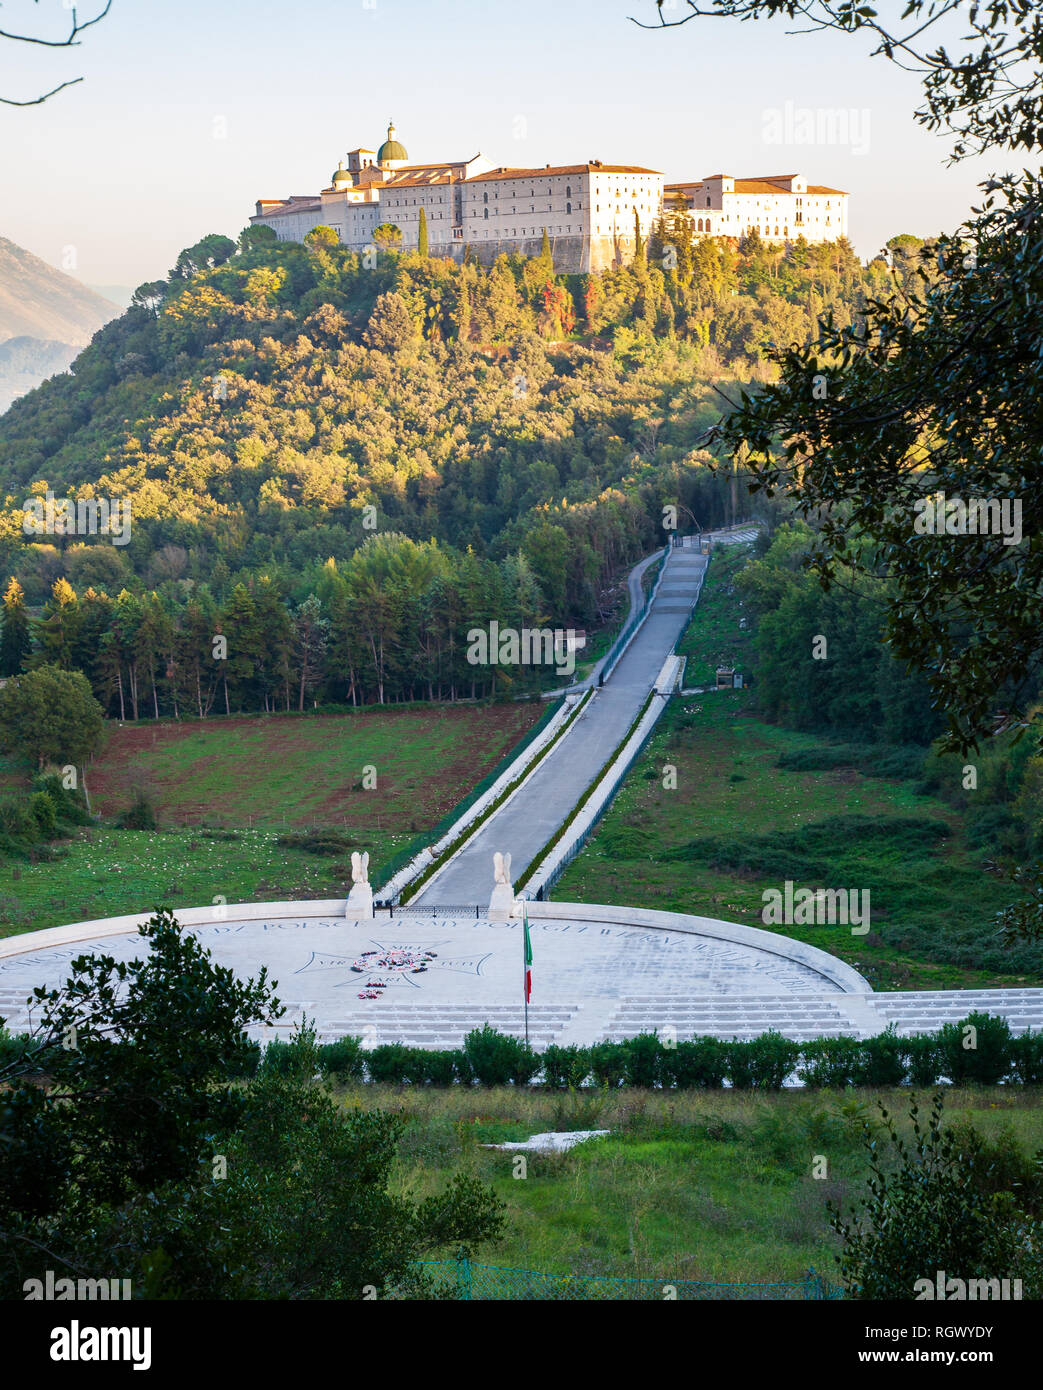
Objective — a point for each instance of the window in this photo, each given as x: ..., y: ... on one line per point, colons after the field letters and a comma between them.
x: 486, y: 214
x: 568, y: 207
x: 568, y: 190
x: 485, y: 197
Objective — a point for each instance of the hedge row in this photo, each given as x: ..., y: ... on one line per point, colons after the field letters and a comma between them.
x: 980, y: 1049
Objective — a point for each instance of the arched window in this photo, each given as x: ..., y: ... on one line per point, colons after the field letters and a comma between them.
x: 699, y: 225
x: 485, y: 196
x: 568, y: 190
x: 568, y: 207
x: 486, y: 214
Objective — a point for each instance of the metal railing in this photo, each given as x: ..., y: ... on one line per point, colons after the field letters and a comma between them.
x: 543, y: 895
x: 616, y: 649
x: 422, y: 910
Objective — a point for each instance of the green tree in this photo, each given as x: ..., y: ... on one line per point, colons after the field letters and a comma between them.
x: 421, y: 244
x: 58, y: 625
x: 390, y: 326
x: 52, y: 716
x: 110, y: 1163
x: 387, y: 236
x: 209, y: 251
x: 933, y: 1204
x: 15, y: 641
x: 150, y: 295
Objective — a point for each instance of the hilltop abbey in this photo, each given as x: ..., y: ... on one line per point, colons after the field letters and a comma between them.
x: 589, y: 211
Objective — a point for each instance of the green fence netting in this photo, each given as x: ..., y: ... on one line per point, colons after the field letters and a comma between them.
x: 462, y: 1279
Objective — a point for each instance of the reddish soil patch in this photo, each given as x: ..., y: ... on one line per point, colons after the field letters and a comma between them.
x: 481, y: 737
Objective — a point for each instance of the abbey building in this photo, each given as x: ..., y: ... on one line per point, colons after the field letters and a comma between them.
x: 591, y: 212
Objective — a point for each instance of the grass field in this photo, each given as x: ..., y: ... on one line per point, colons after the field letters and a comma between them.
x: 225, y: 789
x: 686, y: 1186
x: 737, y: 824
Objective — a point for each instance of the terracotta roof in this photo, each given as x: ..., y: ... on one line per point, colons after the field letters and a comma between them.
x: 505, y: 173
x: 405, y: 179
x: 760, y: 186
x: 296, y: 203
x: 821, y: 188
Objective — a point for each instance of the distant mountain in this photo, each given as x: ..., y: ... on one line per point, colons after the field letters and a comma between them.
x: 46, y: 317
x: 37, y: 301
x: 25, y: 362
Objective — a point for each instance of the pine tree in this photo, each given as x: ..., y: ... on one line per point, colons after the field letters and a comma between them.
x: 57, y: 627
x: 15, y: 642
x: 421, y: 244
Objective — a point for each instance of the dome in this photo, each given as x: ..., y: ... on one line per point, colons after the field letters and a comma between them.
x: 391, y: 152
x: 341, y: 175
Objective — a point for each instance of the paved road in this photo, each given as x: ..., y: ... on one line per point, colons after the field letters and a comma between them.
x: 524, y: 825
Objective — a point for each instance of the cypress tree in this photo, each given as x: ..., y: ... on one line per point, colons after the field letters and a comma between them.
x: 421, y: 244
x: 545, y: 247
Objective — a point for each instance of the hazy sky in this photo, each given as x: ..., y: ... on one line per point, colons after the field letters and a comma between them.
x: 193, y: 110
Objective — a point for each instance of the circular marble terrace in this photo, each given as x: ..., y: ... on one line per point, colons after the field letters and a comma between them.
x: 428, y: 978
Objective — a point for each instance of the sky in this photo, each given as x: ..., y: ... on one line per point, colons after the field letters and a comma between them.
x: 190, y: 111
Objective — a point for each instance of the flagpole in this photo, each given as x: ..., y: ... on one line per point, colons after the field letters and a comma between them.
x: 525, y: 970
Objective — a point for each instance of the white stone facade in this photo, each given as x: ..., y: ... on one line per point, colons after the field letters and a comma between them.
x: 587, y: 210
x: 779, y: 207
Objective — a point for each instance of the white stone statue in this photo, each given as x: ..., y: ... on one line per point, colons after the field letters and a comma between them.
x: 502, y: 900
x: 360, y: 900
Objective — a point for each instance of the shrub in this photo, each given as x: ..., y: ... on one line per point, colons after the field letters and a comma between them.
x: 329, y: 842
x: 699, y: 1063
x: 390, y: 1064
x: 499, y: 1059
x: 831, y: 1062
x: 641, y: 1059
x: 342, y: 1061
x: 608, y: 1063
x: 565, y: 1067
x: 12, y: 1046
x: 245, y: 1061
x: 298, y: 1058
x: 1026, y: 1056
x: 761, y: 1063
x: 884, y: 1060
x: 438, y: 1067
x: 463, y: 1072
x: 69, y: 802
x: 931, y: 1204
x: 44, y: 813
x: 141, y: 814
x: 977, y: 1049
x: 922, y: 1049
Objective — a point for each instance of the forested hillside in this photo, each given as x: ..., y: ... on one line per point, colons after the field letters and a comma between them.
x: 342, y: 463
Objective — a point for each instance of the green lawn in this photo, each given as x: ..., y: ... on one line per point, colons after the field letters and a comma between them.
x: 687, y: 1186
x: 226, y: 789
x: 725, y: 834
